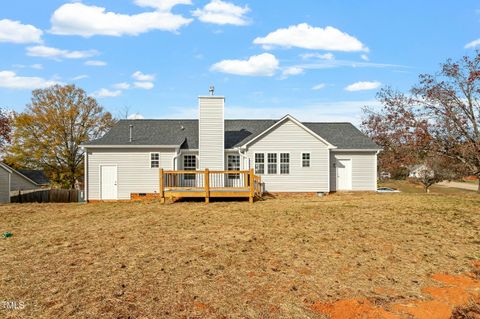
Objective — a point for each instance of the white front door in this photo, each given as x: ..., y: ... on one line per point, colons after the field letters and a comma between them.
x: 344, y: 174
x: 108, y: 182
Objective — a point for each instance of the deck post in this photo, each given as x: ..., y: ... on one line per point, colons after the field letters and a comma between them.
x: 162, y: 187
x: 207, y: 185
x: 252, y: 189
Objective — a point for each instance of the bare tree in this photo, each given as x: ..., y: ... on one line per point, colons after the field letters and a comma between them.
x: 444, y: 108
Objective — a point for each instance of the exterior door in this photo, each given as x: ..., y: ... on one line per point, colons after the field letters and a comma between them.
x: 344, y: 174
x: 108, y: 182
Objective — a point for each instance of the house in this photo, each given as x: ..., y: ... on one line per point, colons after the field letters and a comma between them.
x: 12, y: 181
x: 289, y: 155
x: 5, y: 178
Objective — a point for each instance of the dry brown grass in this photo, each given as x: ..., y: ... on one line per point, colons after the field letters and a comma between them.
x: 272, y: 259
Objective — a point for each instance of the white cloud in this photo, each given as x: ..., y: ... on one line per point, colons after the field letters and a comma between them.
x: 136, y: 116
x: 325, y: 56
x: 264, y: 64
x: 293, y: 70
x: 16, y: 32
x: 144, y: 85
x: 221, y: 12
x: 121, y: 86
x: 472, y: 44
x: 318, y: 86
x: 161, y: 5
x: 36, y: 66
x: 363, y: 86
x: 364, y: 57
x: 307, y: 37
x: 328, y: 64
x: 95, y: 63
x: 106, y: 93
x: 140, y: 76
x: 11, y: 80
x: 80, y: 77
x: 84, y: 20
x: 54, y: 53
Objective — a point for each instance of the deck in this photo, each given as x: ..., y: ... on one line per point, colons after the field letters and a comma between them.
x: 209, y: 184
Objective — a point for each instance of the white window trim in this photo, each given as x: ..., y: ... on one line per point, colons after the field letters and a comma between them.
x: 280, y: 163
x: 196, y: 160
x: 150, y: 159
x: 309, y: 160
x: 255, y: 162
x: 277, y: 162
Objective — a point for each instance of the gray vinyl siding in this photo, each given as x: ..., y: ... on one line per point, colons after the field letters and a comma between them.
x: 19, y: 182
x: 134, y: 174
x: 364, y: 169
x: 211, y: 133
x: 293, y: 139
x: 4, y: 186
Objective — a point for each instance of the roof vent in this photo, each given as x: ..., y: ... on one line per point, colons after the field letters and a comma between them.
x: 130, y: 139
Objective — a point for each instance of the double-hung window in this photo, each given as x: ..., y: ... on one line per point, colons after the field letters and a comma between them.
x: 259, y: 163
x: 272, y: 163
x: 305, y: 159
x: 154, y: 160
x: 189, y: 164
x: 284, y: 163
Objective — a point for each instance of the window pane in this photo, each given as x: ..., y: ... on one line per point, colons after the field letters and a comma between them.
x: 233, y: 164
x: 284, y: 163
x: 305, y: 159
x: 259, y: 163
x: 189, y: 164
x: 272, y: 163
x: 259, y: 168
x: 154, y: 160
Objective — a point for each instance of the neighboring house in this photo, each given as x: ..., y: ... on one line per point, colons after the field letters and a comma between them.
x: 5, y: 178
x: 289, y: 155
x: 12, y: 181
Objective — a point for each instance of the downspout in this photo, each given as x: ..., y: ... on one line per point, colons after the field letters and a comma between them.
x: 179, y: 152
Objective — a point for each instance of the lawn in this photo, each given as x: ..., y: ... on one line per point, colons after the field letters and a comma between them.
x: 273, y: 259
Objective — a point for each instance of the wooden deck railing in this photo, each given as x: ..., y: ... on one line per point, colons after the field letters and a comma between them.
x: 208, y: 184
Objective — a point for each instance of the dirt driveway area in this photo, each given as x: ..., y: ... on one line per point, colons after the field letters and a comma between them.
x: 467, y: 186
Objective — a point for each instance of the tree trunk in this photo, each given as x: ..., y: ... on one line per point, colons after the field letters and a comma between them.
x: 426, y: 188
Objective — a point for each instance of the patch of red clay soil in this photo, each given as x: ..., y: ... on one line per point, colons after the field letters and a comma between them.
x: 352, y: 309
x: 455, y: 290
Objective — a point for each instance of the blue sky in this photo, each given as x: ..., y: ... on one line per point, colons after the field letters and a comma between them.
x: 317, y: 60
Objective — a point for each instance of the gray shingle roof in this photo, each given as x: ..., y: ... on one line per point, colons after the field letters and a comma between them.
x: 237, y: 133
x: 38, y: 176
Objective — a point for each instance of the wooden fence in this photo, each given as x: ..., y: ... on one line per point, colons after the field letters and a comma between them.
x: 47, y: 196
